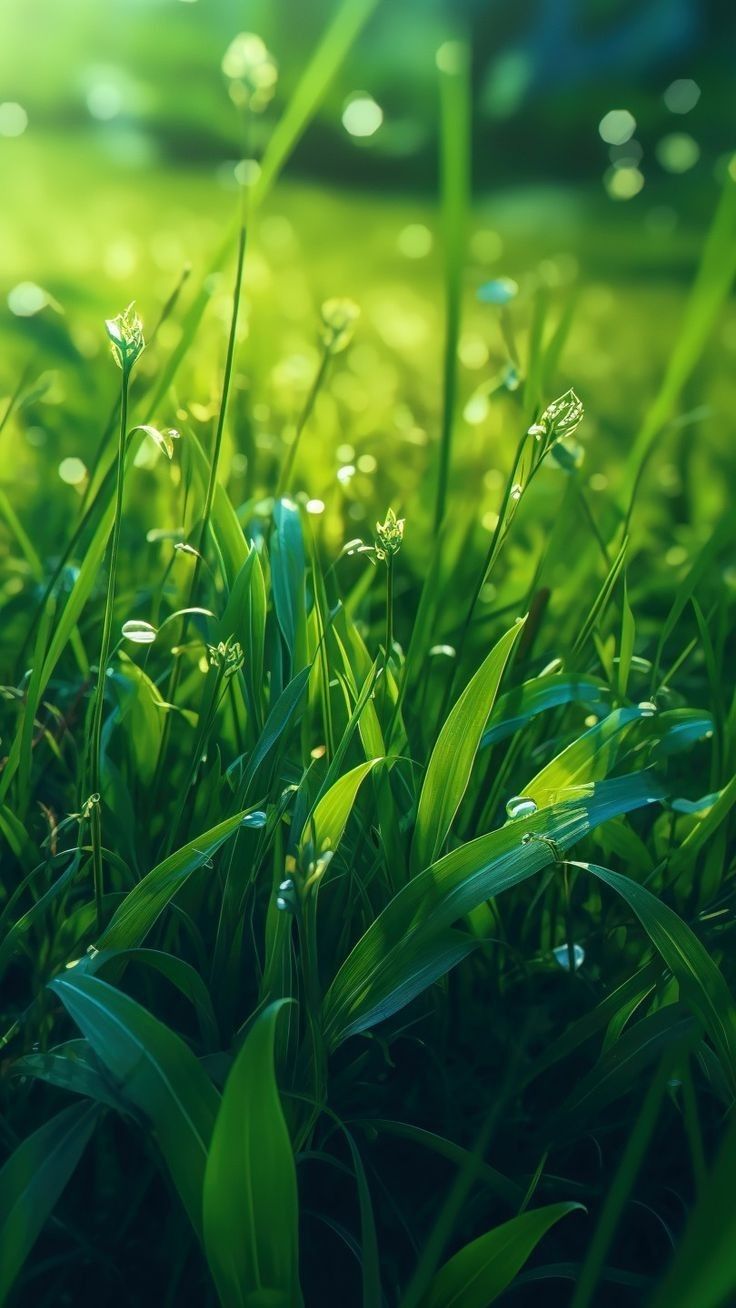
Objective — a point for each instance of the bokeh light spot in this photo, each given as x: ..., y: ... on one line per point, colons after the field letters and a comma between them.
x: 415, y: 241
x: 361, y: 115
x: 72, y: 471
x: 27, y: 298
x: 13, y: 119
x: 678, y: 152
x: 617, y: 126
x: 682, y: 95
x: 623, y: 183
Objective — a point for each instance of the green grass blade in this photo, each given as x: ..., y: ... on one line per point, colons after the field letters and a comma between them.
x: 146, y: 901
x: 250, y: 1206
x: 393, y: 961
x: 451, y: 763
x: 155, y: 1071
x: 701, y: 981
x: 481, y: 1271
x: 31, y: 1181
x: 346, y: 25
x: 453, y: 63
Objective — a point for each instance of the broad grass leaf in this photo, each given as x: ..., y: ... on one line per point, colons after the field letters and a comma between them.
x: 224, y: 524
x: 329, y: 817
x: 590, y: 757
x: 155, y: 1071
x: 277, y: 724
x: 250, y: 1202
x: 451, y: 763
x: 177, y: 972
x: 146, y: 901
x: 73, y: 1066
x: 520, y: 705
x: 394, y: 961
x: 703, y: 1272
x: 288, y: 570
x: 32, y: 1180
x: 481, y: 1271
x: 700, y: 980
x: 617, y: 1072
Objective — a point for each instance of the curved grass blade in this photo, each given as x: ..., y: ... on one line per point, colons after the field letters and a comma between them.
x: 31, y: 1181
x: 687, y: 958
x: 146, y: 901
x: 329, y: 817
x: 451, y: 763
x: 409, y: 944
x: 250, y: 1202
x: 155, y: 1071
x: 517, y: 707
x: 481, y: 1271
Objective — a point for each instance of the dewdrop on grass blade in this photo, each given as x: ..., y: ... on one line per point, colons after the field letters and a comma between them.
x: 520, y: 806
x: 141, y: 633
x: 255, y: 820
x: 561, y: 955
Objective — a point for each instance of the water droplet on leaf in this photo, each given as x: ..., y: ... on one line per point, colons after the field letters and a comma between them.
x: 562, y: 956
x: 647, y: 708
x: 520, y: 806
x: 253, y: 820
x: 141, y: 633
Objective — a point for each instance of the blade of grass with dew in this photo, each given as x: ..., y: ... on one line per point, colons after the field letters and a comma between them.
x: 141, y: 907
x: 393, y: 962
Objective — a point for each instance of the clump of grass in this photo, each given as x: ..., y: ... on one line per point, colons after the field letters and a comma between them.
x: 405, y: 951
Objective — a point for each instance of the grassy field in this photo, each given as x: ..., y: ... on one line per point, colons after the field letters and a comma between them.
x: 368, y: 737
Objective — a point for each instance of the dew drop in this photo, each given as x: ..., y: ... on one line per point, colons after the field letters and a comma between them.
x: 141, y: 633
x: 516, y: 492
x: 647, y: 708
x: 520, y: 806
x: 562, y: 956
x: 253, y: 820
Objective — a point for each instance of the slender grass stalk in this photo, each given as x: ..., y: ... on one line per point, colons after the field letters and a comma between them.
x: 209, y: 498
x: 288, y: 465
x: 389, y: 606
x: 628, y: 1169
x: 99, y: 702
x: 453, y: 63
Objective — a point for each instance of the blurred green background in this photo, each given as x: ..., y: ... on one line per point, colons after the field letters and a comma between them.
x: 601, y: 131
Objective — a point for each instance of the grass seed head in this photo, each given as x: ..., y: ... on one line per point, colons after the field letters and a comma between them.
x: 126, y: 338
x: 390, y: 536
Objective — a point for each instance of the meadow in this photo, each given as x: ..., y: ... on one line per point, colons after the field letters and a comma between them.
x: 367, y: 728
